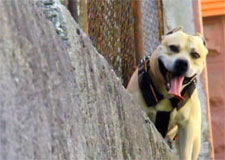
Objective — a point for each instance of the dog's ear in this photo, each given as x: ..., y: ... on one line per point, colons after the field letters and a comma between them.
x: 180, y: 28
x: 203, y: 39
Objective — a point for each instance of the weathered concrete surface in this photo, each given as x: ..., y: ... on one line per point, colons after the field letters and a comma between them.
x: 181, y: 13
x: 177, y: 12
x: 151, y: 27
x: 60, y: 99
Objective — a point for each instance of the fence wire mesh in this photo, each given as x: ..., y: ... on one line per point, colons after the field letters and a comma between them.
x: 111, y: 28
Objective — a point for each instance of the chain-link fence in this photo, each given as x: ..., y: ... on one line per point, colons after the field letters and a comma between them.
x: 110, y: 25
x: 111, y: 28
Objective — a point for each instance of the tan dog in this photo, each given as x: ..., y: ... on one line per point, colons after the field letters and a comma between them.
x: 172, y: 66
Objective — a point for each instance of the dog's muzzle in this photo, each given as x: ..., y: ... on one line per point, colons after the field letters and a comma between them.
x: 175, y: 76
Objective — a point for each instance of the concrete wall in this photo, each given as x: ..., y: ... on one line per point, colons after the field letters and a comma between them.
x: 177, y: 12
x: 181, y: 13
x: 151, y: 28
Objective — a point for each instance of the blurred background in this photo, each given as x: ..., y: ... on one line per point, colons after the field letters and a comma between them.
x: 123, y: 31
x: 213, y: 15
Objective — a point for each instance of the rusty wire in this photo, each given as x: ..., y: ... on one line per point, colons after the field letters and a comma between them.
x: 111, y: 28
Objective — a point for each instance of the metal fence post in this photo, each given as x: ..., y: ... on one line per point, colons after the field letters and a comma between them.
x: 138, y: 30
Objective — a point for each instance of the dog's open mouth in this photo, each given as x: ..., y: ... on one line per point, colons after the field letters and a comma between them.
x: 173, y: 81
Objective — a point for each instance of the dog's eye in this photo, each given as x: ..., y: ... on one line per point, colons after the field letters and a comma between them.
x: 195, y: 55
x: 174, y: 48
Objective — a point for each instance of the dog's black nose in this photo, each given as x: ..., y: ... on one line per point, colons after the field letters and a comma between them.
x: 181, y: 66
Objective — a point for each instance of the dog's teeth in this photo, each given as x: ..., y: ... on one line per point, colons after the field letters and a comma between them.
x: 168, y: 85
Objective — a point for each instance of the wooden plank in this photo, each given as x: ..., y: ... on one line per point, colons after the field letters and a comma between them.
x: 213, y: 7
x: 211, y: 1
x: 213, y: 13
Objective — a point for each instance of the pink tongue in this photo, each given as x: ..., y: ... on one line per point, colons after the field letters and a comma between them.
x: 175, y: 88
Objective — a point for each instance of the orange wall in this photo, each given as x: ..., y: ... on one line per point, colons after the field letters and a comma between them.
x: 214, y: 32
x: 213, y: 13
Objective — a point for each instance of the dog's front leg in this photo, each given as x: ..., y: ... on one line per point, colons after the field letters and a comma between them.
x: 185, y: 141
x: 196, y: 147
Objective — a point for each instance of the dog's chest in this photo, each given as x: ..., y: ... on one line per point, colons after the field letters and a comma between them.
x: 163, y: 105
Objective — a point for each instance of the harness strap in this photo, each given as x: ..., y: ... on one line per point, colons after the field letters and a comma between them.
x: 149, y: 91
x: 162, y: 122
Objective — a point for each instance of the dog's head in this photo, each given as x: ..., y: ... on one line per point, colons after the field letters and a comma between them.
x: 178, y: 59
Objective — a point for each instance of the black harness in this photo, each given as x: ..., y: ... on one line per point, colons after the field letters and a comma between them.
x: 152, y: 96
